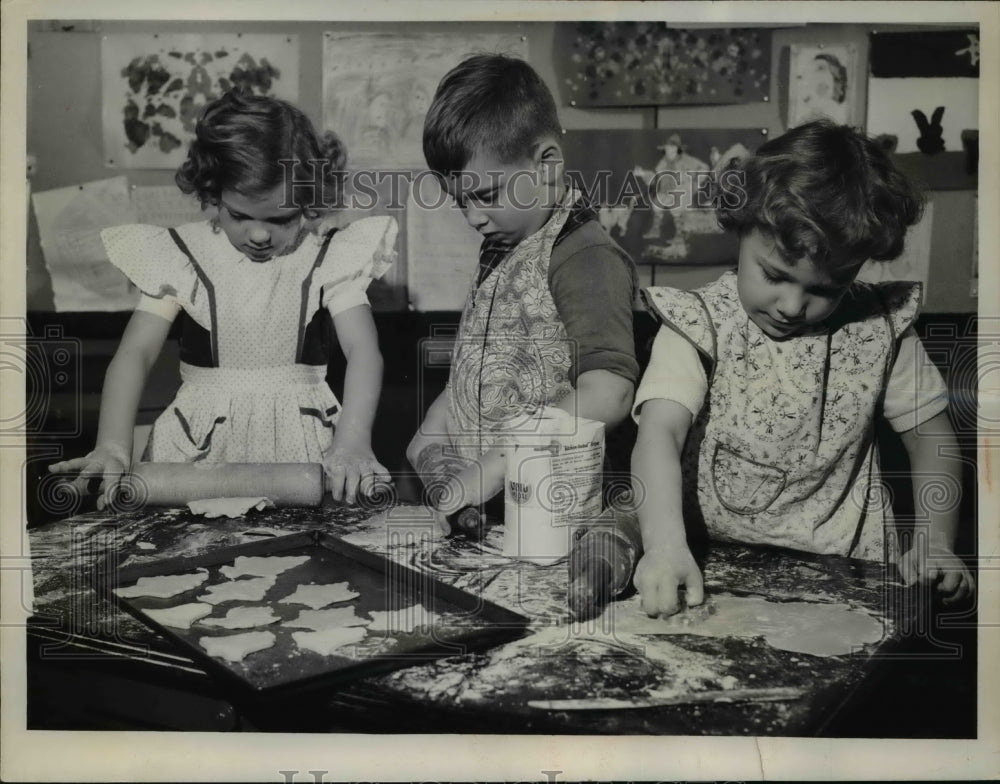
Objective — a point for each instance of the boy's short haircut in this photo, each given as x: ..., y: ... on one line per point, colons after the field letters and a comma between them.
x: 821, y: 191
x: 491, y: 103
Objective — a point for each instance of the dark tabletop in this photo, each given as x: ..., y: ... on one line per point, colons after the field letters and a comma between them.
x: 490, y: 691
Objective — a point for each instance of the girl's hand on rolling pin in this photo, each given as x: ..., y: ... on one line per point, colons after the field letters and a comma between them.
x: 353, y: 467
x: 107, y: 461
x: 659, y: 574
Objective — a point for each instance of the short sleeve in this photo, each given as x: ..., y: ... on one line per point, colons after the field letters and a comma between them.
x: 675, y: 372
x: 165, y: 307
x: 357, y: 255
x: 593, y: 292
x: 152, y: 260
x: 916, y: 391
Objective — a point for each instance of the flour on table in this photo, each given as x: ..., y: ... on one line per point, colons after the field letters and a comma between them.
x: 163, y: 586
x: 402, y: 620
x: 800, y: 627
x: 252, y: 590
x: 228, y: 507
x: 181, y: 616
x: 316, y: 596
x: 334, y: 618
x: 327, y: 641
x: 262, y: 565
x: 236, y: 647
x: 244, y: 618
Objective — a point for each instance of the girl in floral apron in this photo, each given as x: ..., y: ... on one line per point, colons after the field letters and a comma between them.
x: 758, y: 408
x: 261, y: 295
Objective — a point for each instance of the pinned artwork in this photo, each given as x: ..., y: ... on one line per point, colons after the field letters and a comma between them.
x: 377, y: 88
x: 653, y: 188
x: 651, y: 64
x: 823, y: 84
x: 155, y: 85
x: 924, y: 89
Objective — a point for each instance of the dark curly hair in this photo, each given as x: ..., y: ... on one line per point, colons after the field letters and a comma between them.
x: 241, y: 143
x: 821, y: 191
x: 492, y: 103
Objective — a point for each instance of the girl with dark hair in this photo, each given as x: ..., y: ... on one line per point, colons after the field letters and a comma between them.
x: 263, y: 293
x: 761, y: 397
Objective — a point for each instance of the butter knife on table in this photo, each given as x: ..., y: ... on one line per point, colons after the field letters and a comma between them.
x: 689, y: 698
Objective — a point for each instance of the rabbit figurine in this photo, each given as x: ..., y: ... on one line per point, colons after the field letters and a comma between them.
x: 930, y: 140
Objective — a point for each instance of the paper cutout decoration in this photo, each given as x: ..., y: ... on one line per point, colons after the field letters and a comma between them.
x: 154, y: 86
x: 913, y: 75
x: 822, y: 83
x: 377, y: 88
x: 653, y: 188
x: 650, y: 64
x: 70, y: 220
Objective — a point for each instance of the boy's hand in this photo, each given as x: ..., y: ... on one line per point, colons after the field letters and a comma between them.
x: 938, y: 564
x: 660, y: 573
x: 475, y: 484
x: 352, y: 467
x: 106, y: 461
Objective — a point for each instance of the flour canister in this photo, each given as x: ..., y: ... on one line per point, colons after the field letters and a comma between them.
x: 552, y: 483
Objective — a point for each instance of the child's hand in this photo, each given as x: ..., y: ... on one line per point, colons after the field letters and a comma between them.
x: 660, y: 573
x: 108, y: 462
x: 938, y: 564
x: 475, y: 484
x: 353, y: 467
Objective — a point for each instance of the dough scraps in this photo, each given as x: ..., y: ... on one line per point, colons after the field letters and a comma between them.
x: 163, y: 586
x: 334, y: 618
x: 181, y: 616
x: 402, y: 620
x: 799, y: 627
x: 236, y: 647
x: 316, y: 596
x: 327, y: 641
x: 244, y: 618
x: 251, y: 590
x: 228, y: 507
x: 262, y: 565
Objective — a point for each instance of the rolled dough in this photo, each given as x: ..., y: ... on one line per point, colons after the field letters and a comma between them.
x: 801, y: 627
x: 327, y: 641
x: 181, y: 616
x: 262, y: 565
x: 228, y: 507
x: 244, y: 618
x: 251, y: 590
x: 236, y: 647
x: 316, y: 596
x: 163, y: 586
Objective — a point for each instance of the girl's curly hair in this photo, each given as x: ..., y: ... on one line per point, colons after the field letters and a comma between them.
x: 821, y: 191
x: 254, y: 143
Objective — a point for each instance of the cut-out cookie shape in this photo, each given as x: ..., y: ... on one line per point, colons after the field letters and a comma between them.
x: 402, y: 620
x: 316, y: 596
x: 236, y: 647
x: 328, y: 641
x: 319, y: 620
x: 181, y: 616
x: 262, y: 565
x: 240, y: 590
x: 163, y: 586
x: 244, y: 618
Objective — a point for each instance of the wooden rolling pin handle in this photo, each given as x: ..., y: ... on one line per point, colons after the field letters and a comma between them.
x: 175, y: 484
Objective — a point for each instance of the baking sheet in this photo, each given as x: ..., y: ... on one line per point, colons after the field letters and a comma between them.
x: 462, y: 621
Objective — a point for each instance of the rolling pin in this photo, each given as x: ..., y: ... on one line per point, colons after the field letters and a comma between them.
x: 175, y: 484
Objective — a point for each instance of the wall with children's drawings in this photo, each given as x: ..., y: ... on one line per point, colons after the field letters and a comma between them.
x: 65, y: 128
